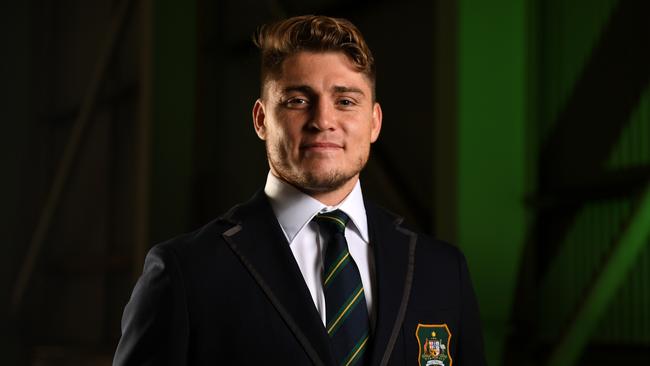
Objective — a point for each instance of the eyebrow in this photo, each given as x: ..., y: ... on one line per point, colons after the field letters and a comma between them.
x: 298, y: 88
x: 308, y: 90
x: 347, y: 89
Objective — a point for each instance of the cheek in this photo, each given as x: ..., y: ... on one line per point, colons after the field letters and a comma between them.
x: 287, y: 126
x: 359, y: 143
x: 360, y: 138
x: 283, y: 138
x: 361, y: 133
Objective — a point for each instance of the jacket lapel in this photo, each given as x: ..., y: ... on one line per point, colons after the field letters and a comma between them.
x: 394, y: 251
x: 258, y: 240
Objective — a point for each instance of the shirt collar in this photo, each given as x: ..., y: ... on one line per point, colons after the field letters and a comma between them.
x: 295, y: 209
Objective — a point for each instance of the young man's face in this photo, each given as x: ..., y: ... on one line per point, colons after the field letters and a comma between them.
x: 318, y: 119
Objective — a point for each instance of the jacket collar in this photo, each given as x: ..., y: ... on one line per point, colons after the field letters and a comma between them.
x: 394, y: 251
x: 256, y: 237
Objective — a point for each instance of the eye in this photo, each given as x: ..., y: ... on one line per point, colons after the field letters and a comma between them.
x: 346, y: 102
x: 296, y: 102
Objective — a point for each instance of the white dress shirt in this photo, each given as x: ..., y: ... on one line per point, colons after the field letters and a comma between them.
x: 295, y: 211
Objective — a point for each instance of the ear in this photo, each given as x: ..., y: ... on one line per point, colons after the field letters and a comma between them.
x: 259, y: 119
x: 376, y: 122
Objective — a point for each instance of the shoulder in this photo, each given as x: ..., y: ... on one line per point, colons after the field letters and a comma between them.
x: 385, y: 219
x: 200, y: 237
x: 442, y: 250
x: 427, y: 247
x: 206, y: 244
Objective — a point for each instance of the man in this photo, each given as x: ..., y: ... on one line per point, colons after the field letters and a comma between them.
x: 307, y: 272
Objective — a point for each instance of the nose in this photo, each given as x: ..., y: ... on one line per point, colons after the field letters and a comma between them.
x: 323, y: 116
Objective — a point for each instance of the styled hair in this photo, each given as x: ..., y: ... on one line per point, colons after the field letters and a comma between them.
x: 315, y: 33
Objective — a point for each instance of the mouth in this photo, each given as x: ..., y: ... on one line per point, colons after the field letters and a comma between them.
x: 321, y: 146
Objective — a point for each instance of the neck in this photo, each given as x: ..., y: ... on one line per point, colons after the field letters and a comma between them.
x: 328, y: 198
x: 335, y: 197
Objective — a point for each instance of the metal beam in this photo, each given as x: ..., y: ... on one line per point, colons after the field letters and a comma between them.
x: 619, y: 61
x: 142, y: 155
x: 604, y: 287
x: 491, y: 154
x: 173, y: 113
x: 69, y: 154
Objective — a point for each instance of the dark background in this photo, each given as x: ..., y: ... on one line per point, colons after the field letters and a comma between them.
x: 517, y: 130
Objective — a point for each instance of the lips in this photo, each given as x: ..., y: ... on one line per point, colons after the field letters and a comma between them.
x: 321, y: 145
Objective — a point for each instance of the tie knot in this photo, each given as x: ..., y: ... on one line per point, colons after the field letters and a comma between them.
x: 334, y: 221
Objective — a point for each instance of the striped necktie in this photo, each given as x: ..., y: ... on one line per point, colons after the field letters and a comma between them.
x: 345, y: 302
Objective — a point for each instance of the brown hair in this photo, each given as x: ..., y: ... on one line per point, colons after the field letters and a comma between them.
x: 284, y: 38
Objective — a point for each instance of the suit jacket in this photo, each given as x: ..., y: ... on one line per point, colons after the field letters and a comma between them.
x: 231, y: 293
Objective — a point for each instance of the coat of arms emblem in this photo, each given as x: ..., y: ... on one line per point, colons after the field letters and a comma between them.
x: 433, y: 341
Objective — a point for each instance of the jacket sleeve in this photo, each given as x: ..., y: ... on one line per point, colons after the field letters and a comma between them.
x: 470, y: 347
x: 154, y: 323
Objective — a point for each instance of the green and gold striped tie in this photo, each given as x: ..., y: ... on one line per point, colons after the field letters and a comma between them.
x: 346, y: 310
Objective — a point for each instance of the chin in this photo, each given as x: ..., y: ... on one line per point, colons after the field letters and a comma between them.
x: 327, y: 181
x: 316, y: 176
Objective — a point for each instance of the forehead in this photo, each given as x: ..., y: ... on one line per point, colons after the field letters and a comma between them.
x: 319, y: 71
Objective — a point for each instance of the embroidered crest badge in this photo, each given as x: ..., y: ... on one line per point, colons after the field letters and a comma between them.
x: 433, y: 341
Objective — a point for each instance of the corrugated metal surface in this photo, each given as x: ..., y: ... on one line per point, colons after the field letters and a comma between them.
x: 633, y: 147
x: 584, y: 249
x: 628, y: 317
x: 569, y: 31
